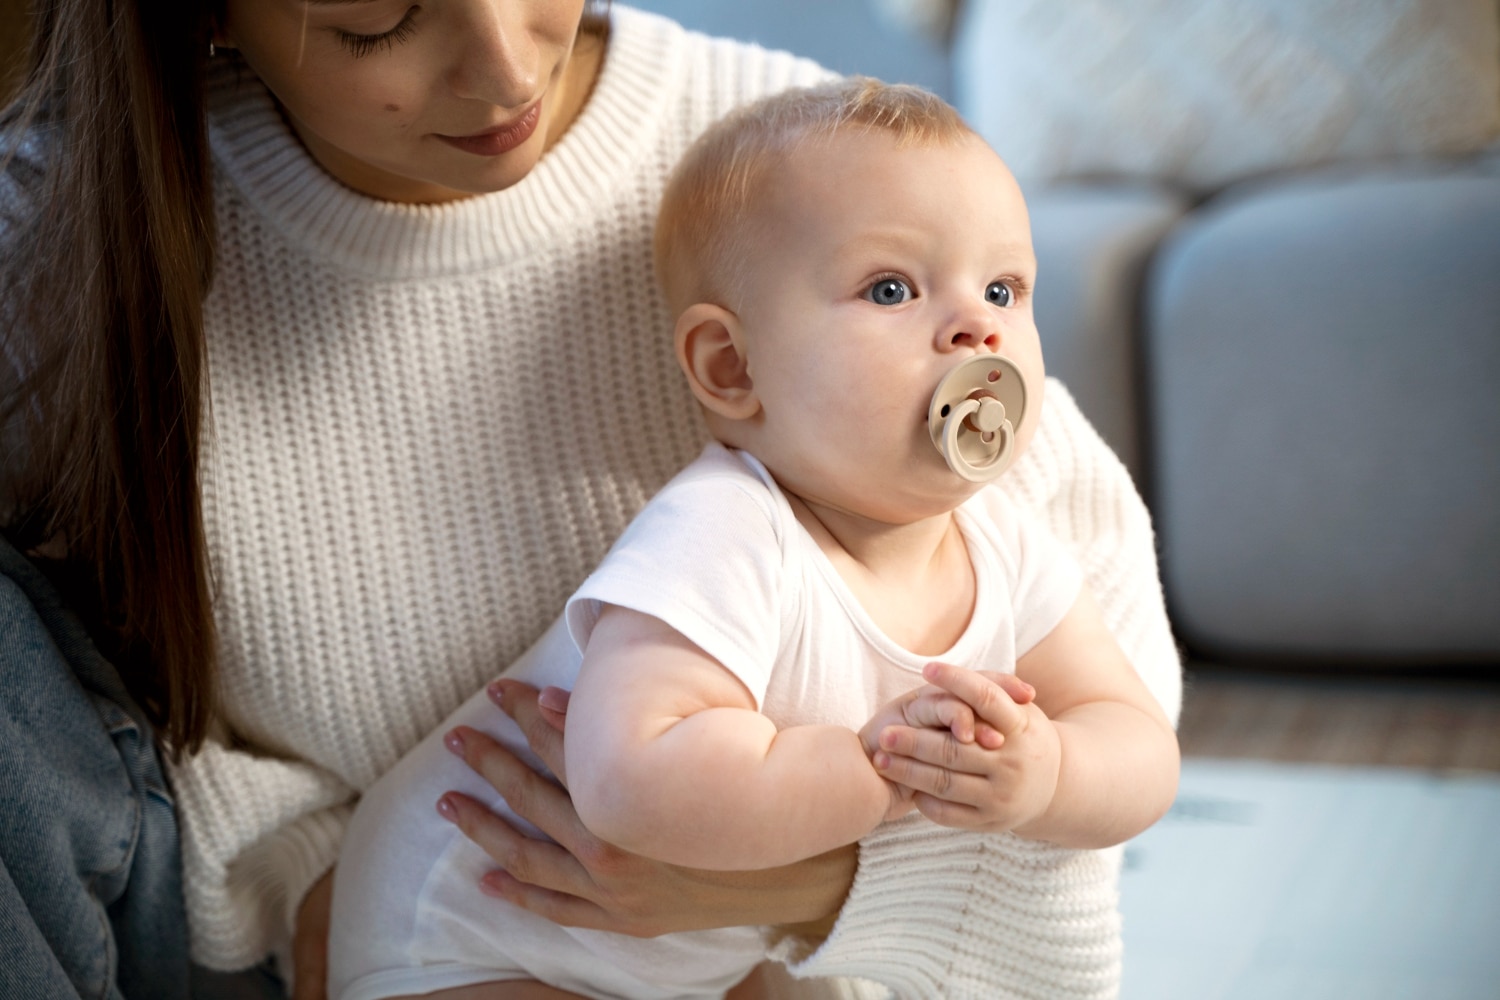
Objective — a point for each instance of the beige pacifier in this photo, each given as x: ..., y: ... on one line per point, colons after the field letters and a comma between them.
x: 974, y: 414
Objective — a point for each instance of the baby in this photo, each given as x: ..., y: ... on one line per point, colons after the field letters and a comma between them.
x: 758, y: 681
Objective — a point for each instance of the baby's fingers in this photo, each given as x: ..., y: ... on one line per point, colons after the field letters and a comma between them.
x: 931, y: 779
x: 935, y: 747
x: 990, y: 700
x: 1020, y: 692
x: 934, y: 709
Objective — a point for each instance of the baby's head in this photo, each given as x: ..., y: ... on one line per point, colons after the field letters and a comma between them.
x: 714, y: 202
x: 831, y: 253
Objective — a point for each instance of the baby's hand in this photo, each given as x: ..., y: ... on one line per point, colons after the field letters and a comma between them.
x: 970, y: 784
x: 947, y: 717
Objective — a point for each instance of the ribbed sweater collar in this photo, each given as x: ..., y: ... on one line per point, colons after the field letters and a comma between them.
x: 256, y: 151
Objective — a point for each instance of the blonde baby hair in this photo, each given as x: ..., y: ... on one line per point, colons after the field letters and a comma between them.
x: 708, y: 210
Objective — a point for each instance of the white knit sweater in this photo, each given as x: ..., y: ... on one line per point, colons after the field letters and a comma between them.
x: 430, y: 422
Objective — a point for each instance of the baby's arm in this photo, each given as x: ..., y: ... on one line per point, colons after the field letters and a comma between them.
x: 1092, y: 762
x: 667, y: 757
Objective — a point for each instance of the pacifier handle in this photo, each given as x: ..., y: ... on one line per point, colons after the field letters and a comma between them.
x: 974, y: 414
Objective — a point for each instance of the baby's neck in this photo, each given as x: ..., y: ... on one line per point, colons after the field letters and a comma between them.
x: 915, y: 580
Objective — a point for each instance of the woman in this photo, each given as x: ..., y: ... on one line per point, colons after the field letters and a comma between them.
x: 336, y: 404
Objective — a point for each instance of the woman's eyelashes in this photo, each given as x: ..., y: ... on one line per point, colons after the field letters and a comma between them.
x: 362, y: 45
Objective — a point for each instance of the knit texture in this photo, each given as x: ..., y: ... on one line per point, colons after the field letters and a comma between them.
x: 428, y: 423
x: 1202, y: 93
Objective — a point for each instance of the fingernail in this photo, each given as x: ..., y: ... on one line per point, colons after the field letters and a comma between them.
x: 496, y: 691
x: 445, y: 809
x: 888, y: 739
x: 882, y: 761
x: 454, y: 742
x: 490, y: 885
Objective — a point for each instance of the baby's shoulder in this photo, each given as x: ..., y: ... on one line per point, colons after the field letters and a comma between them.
x: 722, y: 471
x: 722, y: 489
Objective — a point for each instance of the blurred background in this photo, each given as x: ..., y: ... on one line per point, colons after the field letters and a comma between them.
x: 1269, y: 270
x: 1269, y: 242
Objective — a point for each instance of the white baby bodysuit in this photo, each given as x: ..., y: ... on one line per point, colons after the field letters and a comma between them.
x: 719, y: 556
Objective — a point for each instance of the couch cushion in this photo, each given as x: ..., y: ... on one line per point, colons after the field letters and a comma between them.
x: 1204, y: 92
x: 1092, y: 244
x: 1324, y: 385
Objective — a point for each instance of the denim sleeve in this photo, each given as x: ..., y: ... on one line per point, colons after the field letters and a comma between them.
x: 20, y: 178
x: 90, y: 874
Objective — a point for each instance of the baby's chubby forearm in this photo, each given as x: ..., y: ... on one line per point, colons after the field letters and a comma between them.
x: 1089, y: 763
x: 722, y: 789
x: 667, y: 757
x: 1117, y: 776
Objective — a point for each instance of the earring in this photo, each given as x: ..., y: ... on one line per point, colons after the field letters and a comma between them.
x: 211, y: 49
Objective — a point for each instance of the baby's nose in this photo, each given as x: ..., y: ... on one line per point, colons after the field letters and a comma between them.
x: 977, y: 336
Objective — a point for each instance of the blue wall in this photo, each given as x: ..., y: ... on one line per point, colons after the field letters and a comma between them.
x: 845, y: 35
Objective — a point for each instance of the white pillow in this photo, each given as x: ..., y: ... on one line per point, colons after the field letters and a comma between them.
x: 1203, y: 92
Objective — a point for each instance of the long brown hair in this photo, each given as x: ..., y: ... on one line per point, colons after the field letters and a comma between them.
x: 102, y: 294
x: 101, y: 305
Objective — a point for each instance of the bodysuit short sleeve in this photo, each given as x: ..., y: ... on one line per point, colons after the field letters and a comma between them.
x: 705, y: 556
x: 1042, y: 575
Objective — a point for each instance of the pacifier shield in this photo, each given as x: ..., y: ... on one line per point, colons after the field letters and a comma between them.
x: 974, y: 414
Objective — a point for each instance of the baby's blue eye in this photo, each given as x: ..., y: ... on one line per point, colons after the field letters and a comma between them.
x: 888, y: 292
x: 999, y: 294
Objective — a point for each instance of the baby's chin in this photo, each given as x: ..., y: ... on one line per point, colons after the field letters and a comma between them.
x: 920, y: 496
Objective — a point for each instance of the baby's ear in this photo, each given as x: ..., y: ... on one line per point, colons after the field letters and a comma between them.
x: 711, y: 351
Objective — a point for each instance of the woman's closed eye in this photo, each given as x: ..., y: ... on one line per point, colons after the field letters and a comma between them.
x: 888, y: 291
x: 362, y: 45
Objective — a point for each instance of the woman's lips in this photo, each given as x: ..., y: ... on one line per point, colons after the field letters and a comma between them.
x: 501, y: 139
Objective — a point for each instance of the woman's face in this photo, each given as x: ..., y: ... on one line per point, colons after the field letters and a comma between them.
x: 420, y: 102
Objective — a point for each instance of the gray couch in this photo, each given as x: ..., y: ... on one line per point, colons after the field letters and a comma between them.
x: 1303, y: 373
x: 1269, y: 248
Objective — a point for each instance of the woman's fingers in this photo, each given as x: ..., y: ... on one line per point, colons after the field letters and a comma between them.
x: 544, y: 878
x: 522, y: 702
x: 560, y: 908
x: 534, y: 798
x: 552, y: 702
x: 537, y: 862
x: 579, y: 880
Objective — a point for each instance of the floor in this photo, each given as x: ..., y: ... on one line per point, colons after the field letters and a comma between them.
x: 1448, y: 722
x: 1332, y: 837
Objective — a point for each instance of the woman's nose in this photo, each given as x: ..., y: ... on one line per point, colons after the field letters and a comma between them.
x: 500, y: 61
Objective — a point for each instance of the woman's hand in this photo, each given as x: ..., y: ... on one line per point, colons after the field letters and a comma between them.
x: 977, y: 785
x: 310, y: 942
x: 580, y: 881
